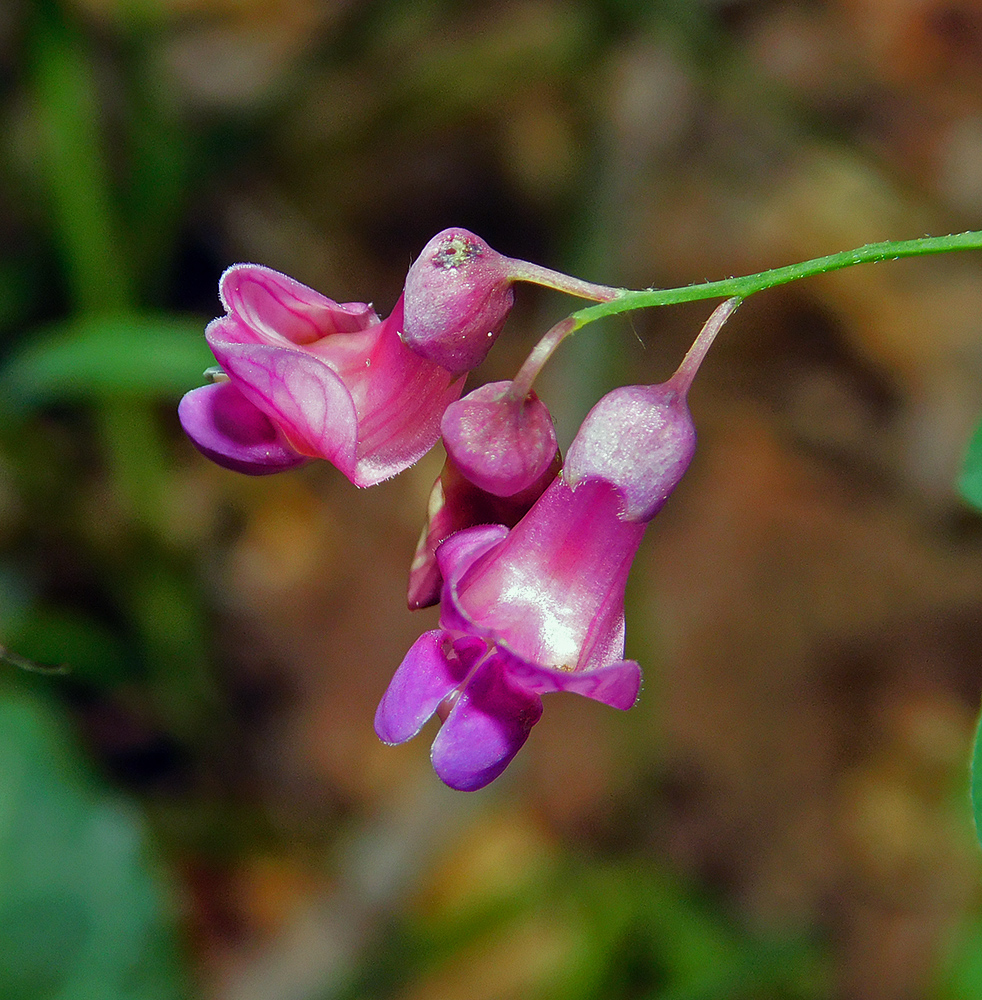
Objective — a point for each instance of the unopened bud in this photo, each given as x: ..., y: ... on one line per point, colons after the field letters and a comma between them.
x: 501, y: 443
x: 457, y: 297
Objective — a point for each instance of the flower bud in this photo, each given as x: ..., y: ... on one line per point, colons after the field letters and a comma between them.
x: 640, y: 438
x: 501, y: 443
x: 457, y: 297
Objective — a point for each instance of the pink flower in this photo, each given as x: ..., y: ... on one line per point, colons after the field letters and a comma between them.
x: 309, y: 377
x: 539, y: 608
x: 525, y: 611
x: 456, y: 503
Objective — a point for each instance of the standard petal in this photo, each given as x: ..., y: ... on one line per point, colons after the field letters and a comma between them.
x: 225, y: 427
x: 305, y: 399
x: 432, y: 668
x: 616, y: 684
x: 283, y: 311
x: 485, y: 729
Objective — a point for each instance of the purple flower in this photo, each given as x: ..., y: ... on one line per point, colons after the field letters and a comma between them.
x: 539, y: 607
x: 525, y: 611
x: 309, y: 377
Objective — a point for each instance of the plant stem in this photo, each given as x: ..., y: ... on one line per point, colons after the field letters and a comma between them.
x: 543, y: 350
x: 538, y: 275
x: 686, y: 372
x: 742, y: 287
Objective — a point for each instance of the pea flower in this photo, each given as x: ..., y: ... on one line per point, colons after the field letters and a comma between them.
x: 539, y: 607
x: 456, y: 503
x: 306, y: 377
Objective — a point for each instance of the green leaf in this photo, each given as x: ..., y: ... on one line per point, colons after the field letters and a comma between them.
x: 95, y: 358
x: 62, y: 73
x: 82, y: 912
x: 970, y: 480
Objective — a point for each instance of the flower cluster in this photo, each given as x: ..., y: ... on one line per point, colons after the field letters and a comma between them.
x: 527, y: 555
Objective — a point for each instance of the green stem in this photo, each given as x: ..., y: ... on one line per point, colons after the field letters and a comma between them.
x: 742, y: 287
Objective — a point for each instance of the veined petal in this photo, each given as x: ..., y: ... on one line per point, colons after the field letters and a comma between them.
x: 487, y: 726
x: 400, y: 398
x: 308, y: 402
x: 283, y: 311
x: 227, y: 428
x: 430, y: 671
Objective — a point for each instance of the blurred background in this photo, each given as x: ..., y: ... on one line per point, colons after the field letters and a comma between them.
x: 198, y: 806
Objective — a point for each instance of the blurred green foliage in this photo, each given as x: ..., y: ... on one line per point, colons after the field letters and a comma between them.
x: 623, y: 929
x: 84, y: 907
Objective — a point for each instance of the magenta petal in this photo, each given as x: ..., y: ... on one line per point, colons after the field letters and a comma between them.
x: 301, y: 394
x: 485, y: 729
x: 455, y: 557
x: 430, y: 671
x: 225, y: 427
x: 459, y: 552
x: 616, y: 684
x: 399, y: 396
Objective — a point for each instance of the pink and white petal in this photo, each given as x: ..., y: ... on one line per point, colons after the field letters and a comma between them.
x: 229, y: 330
x: 301, y: 395
x: 616, y: 684
x: 282, y: 310
x: 227, y: 428
x: 487, y: 726
x: 430, y: 671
